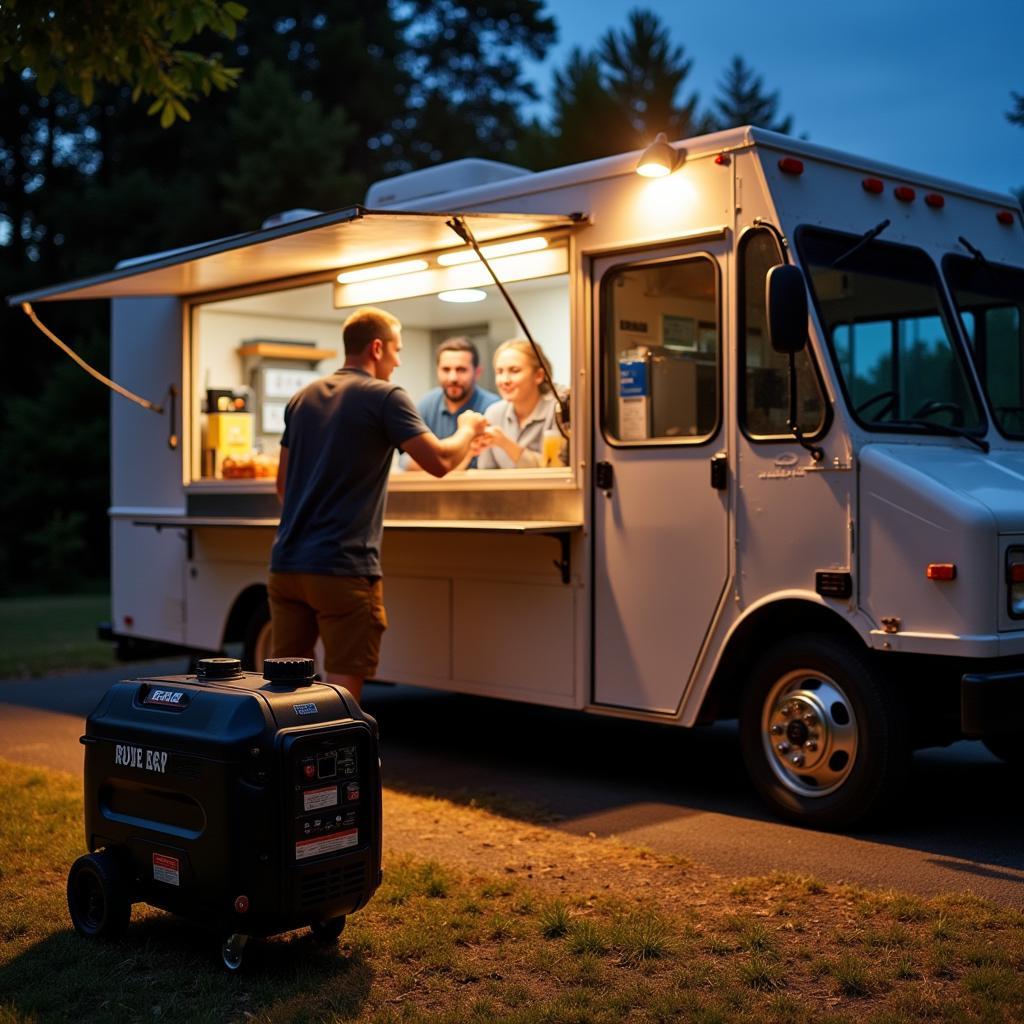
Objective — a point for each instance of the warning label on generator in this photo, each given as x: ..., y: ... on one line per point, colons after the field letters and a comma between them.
x: 314, y: 799
x: 320, y: 845
x: 165, y: 869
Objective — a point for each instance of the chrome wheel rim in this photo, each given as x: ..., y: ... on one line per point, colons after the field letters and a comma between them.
x: 809, y: 733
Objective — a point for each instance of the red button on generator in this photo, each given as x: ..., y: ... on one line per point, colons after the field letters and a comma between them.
x: 309, y: 769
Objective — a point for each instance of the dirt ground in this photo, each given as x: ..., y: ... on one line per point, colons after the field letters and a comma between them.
x: 479, y: 842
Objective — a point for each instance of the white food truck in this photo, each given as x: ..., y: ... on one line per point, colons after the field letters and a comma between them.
x: 793, y: 496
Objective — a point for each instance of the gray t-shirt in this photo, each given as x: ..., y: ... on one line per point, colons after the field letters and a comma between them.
x: 341, y: 432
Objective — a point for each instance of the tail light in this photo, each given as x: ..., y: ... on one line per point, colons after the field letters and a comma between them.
x: 1015, y: 582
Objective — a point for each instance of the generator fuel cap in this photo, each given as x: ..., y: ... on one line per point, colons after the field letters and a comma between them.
x: 209, y: 669
x: 289, y: 671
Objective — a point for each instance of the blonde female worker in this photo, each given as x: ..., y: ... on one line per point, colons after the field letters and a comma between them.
x: 525, y: 413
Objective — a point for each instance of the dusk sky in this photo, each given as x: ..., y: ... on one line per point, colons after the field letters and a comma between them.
x: 920, y: 83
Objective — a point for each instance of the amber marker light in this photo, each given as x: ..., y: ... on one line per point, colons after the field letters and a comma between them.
x: 941, y: 571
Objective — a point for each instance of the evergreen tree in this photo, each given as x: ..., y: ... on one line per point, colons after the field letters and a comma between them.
x: 644, y: 73
x: 468, y: 87
x: 742, y: 101
x: 587, y: 119
x: 1016, y: 116
x: 288, y: 152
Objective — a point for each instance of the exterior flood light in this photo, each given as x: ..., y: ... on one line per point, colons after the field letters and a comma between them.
x: 658, y: 159
x: 463, y: 295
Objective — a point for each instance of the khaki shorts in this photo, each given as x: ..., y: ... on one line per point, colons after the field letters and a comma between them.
x: 346, y: 611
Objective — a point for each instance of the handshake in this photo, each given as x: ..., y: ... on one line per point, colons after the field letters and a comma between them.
x: 484, y: 435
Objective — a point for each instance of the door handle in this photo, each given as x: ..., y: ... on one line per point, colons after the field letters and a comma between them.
x: 604, y: 478
x: 719, y: 471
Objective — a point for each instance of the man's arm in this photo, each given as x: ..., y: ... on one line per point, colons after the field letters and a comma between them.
x: 282, y: 472
x: 439, y: 457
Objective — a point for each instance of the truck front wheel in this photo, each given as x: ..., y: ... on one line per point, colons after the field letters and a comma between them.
x: 824, y: 737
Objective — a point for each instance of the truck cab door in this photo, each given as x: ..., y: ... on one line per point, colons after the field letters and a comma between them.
x: 659, y: 504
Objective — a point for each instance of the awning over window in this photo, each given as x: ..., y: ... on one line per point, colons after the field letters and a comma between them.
x: 327, y: 241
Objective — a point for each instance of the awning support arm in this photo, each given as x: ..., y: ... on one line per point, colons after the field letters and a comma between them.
x: 461, y: 228
x: 172, y: 392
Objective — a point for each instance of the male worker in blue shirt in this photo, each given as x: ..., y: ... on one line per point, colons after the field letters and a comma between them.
x: 458, y: 371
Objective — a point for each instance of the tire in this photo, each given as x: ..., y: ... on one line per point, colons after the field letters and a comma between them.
x: 98, y: 897
x: 327, y: 932
x: 822, y: 700
x: 232, y: 951
x: 257, y: 638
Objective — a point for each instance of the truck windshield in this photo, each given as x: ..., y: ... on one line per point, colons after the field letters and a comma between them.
x: 990, y: 300
x: 890, y: 335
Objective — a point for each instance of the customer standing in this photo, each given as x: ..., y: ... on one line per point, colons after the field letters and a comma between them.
x: 340, y: 435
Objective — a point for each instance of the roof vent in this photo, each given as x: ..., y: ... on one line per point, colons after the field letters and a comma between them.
x: 434, y: 181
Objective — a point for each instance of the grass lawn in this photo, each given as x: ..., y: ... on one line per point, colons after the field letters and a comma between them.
x: 46, y: 634
x: 441, y: 944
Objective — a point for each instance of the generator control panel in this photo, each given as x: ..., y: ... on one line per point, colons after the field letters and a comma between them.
x: 327, y: 811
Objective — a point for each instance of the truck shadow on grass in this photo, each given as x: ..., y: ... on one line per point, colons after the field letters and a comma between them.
x: 591, y: 773
x: 168, y: 969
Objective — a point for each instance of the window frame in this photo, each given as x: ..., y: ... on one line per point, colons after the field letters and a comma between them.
x: 950, y: 317
x: 741, y: 352
x: 507, y: 480
x: 979, y: 369
x: 602, y: 352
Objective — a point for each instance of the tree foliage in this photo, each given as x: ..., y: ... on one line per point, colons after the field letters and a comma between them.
x: 137, y: 43
x: 645, y: 73
x: 466, y: 79
x: 286, y: 151
x: 633, y: 85
x: 742, y: 100
x: 1016, y: 115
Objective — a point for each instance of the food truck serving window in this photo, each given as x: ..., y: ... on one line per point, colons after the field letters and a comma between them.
x: 252, y: 352
x: 660, y: 339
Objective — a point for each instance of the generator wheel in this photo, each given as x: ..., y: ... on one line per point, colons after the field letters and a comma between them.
x: 257, y: 638
x: 327, y: 932
x: 233, y: 951
x: 98, y: 896
x: 823, y: 734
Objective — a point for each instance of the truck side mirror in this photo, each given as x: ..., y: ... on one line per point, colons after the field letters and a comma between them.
x: 786, y: 304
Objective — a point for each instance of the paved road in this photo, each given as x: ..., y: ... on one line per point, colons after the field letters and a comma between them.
x: 674, y: 791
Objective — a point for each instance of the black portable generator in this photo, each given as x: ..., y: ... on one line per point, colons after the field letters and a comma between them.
x: 250, y: 802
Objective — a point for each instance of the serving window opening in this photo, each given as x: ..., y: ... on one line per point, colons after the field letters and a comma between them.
x: 251, y: 353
